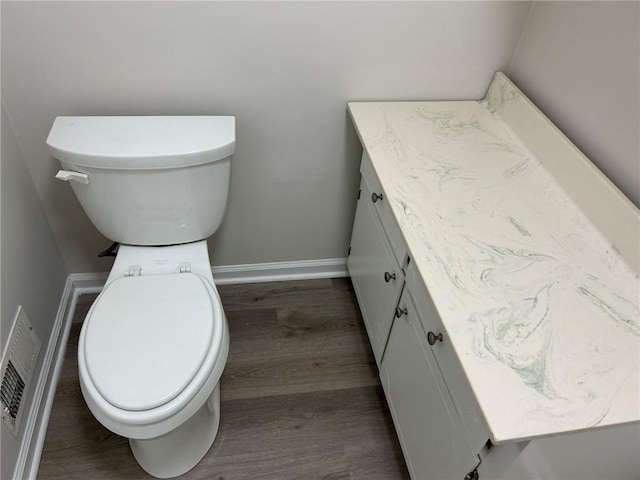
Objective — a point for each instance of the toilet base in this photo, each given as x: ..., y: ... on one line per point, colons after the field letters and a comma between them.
x: 178, y: 451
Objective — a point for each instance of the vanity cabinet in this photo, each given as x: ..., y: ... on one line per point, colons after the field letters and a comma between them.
x: 398, y: 321
x: 428, y: 427
x: 375, y: 271
x: 511, y: 262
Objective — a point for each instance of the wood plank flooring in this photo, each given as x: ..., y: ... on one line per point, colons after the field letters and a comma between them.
x: 300, y: 395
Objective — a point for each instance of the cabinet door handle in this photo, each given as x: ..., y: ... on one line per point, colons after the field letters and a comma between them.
x: 389, y: 276
x: 375, y: 197
x: 432, y: 338
x: 401, y: 311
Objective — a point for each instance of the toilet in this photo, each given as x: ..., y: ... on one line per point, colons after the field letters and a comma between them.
x: 155, y: 342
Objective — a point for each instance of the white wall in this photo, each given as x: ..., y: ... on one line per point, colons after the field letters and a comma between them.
x: 580, y: 64
x: 286, y: 70
x: 33, y: 273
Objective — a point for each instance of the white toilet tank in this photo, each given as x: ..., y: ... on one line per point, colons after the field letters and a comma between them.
x: 148, y: 180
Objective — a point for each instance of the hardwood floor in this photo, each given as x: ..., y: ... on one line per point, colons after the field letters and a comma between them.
x: 300, y: 395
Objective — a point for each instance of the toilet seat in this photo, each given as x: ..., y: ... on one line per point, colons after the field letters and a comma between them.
x: 147, y: 337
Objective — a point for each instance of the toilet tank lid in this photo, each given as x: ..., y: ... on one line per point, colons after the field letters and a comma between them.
x: 141, y: 143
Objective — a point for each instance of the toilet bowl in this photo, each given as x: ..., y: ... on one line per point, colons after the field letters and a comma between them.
x: 151, y: 352
x: 154, y: 343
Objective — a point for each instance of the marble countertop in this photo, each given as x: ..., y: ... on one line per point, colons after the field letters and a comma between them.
x: 539, y: 305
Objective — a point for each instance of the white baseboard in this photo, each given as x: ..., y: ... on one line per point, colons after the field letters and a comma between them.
x: 280, y: 271
x: 82, y: 283
x: 38, y: 417
x: 88, y: 282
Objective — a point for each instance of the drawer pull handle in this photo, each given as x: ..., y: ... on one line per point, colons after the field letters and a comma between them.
x: 432, y: 338
x: 375, y: 197
x: 389, y: 276
x: 400, y: 312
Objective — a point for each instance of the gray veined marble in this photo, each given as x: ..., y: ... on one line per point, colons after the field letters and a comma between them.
x: 537, y: 287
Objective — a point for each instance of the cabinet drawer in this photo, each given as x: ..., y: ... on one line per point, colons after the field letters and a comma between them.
x: 447, y: 360
x: 383, y: 209
x: 377, y: 279
x: 428, y: 427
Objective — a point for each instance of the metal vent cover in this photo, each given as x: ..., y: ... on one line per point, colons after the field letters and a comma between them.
x: 18, y: 363
x: 11, y: 392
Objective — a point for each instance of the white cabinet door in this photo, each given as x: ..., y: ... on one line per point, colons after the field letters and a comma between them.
x: 376, y: 277
x: 430, y: 433
x: 448, y: 363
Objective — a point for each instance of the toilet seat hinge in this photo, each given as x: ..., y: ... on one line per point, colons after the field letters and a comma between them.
x: 184, y: 267
x: 133, y: 271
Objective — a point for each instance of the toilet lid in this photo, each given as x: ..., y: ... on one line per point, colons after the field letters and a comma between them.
x: 147, y: 337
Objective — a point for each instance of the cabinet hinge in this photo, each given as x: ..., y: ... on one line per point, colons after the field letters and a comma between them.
x: 359, y: 192
x: 349, y: 251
